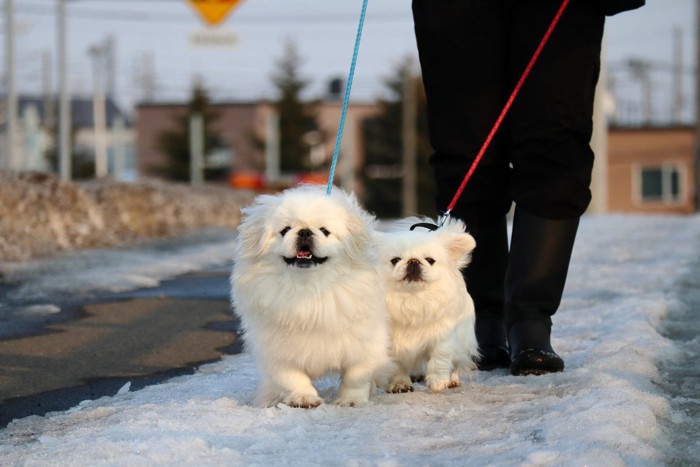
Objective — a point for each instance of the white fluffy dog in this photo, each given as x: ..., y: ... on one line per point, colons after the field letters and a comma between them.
x: 306, y: 287
x: 432, y: 315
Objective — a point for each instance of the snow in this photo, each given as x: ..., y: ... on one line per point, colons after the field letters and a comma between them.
x: 604, y: 409
x: 116, y: 270
x: 41, y: 215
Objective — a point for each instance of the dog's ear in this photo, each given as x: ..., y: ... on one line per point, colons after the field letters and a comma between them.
x: 360, y: 225
x: 255, y: 229
x: 458, y: 242
x: 360, y: 237
x: 459, y: 246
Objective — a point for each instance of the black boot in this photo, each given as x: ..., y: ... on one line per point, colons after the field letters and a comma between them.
x: 484, y: 277
x: 539, y: 261
x: 533, y: 353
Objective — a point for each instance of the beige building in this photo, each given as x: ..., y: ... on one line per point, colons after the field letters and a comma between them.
x: 651, y: 170
x: 648, y: 170
x: 243, y: 126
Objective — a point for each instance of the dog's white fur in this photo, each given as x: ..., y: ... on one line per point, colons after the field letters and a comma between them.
x: 303, y: 322
x: 432, y: 315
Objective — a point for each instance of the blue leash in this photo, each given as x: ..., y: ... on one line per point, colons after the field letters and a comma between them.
x: 346, y: 100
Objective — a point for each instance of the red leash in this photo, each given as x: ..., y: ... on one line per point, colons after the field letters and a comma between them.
x: 505, y: 110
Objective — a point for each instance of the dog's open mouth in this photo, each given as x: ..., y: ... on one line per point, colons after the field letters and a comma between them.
x: 304, y: 258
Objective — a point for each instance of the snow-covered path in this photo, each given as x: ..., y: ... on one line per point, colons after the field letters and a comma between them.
x: 605, y: 409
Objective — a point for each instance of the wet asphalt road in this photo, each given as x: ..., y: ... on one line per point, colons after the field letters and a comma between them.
x: 93, y: 348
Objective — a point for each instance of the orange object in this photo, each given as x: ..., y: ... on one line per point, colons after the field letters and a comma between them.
x: 213, y: 11
x: 246, y: 180
x: 313, y: 178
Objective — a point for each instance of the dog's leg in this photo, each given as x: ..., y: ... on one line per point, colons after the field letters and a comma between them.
x: 401, y: 381
x: 454, y: 380
x: 297, y: 387
x: 355, y: 385
x: 440, y: 373
x: 417, y: 371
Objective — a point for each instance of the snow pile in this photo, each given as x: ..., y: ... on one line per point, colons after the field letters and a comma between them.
x: 605, y: 409
x: 41, y: 215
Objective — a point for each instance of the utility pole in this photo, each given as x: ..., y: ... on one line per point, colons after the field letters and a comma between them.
x: 272, y: 146
x: 641, y: 70
x: 144, y: 78
x: 47, y: 90
x: 111, y: 65
x: 11, y: 161
x: 677, y: 110
x: 64, y: 119
x: 119, y: 130
x: 99, y: 110
x: 196, y: 149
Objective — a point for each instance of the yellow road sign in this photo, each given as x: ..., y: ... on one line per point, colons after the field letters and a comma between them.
x: 213, y: 11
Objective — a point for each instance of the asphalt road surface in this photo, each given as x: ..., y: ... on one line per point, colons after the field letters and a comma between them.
x: 143, y: 337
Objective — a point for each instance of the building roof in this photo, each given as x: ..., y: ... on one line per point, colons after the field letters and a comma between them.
x: 81, y: 110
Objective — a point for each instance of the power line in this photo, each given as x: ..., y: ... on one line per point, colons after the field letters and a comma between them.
x: 652, y: 64
x: 141, y: 16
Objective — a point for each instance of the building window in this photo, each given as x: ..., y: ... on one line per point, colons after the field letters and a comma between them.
x: 660, y: 184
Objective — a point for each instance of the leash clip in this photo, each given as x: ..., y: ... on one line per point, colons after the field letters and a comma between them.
x: 443, y: 218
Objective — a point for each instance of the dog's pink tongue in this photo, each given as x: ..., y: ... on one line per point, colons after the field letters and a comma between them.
x: 303, y: 254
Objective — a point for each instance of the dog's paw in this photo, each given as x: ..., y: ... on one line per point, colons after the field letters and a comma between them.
x: 350, y: 402
x: 303, y: 401
x: 399, y: 388
x: 438, y: 384
x: 400, y: 383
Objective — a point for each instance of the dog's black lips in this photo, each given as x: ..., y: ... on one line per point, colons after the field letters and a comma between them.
x: 304, y: 258
x: 413, y: 272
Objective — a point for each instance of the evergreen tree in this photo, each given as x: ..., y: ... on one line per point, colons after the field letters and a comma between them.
x: 383, y: 170
x: 82, y: 162
x: 176, y: 143
x: 296, y: 118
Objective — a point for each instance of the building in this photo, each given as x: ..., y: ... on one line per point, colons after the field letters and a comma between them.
x: 648, y: 170
x: 245, y: 127
x: 36, y: 134
x: 651, y: 170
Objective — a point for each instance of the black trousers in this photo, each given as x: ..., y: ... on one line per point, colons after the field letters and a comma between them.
x: 472, y: 53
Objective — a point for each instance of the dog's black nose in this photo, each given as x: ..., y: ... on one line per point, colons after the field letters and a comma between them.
x: 305, y: 233
x: 413, y: 266
x: 413, y: 270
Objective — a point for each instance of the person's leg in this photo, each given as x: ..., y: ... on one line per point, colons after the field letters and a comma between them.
x: 540, y: 253
x: 549, y: 132
x: 485, y: 277
x: 460, y: 44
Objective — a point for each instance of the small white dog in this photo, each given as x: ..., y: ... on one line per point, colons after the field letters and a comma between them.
x: 306, y: 286
x: 432, y: 315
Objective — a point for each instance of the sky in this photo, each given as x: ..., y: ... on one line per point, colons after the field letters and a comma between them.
x: 629, y: 277
x: 158, y: 32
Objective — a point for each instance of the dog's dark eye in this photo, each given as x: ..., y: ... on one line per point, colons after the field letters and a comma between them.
x: 324, y: 231
x: 430, y: 261
x: 395, y: 260
x: 284, y: 231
